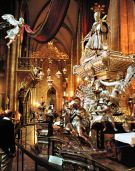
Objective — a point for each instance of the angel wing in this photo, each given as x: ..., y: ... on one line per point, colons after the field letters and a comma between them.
x: 10, y: 19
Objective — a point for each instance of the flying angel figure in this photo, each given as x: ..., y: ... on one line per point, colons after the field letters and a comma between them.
x: 19, y: 27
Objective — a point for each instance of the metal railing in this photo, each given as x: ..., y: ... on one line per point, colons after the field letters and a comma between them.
x: 37, y: 160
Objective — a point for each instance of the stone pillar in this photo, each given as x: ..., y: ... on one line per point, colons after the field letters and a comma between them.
x: 127, y: 26
x: 121, y: 18
x: 131, y: 25
x: 79, y: 46
x: 59, y: 100
x: 7, y: 80
x: 113, y: 20
x: 12, y: 79
x: 71, y: 76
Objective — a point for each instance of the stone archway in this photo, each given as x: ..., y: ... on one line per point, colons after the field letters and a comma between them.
x: 24, y: 99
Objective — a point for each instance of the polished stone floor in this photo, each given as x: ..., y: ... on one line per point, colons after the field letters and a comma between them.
x: 28, y: 135
x: 28, y: 165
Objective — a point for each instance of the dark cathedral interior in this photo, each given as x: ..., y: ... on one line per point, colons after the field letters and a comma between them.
x: 67, y: 75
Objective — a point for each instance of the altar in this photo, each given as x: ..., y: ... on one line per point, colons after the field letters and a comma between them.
x: 128, y: 138
x: 125, y: 148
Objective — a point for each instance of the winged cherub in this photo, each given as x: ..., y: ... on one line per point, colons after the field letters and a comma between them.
x: 19, y: 27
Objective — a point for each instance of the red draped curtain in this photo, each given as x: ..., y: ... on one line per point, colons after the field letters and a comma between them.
x: 85, y: 17
x: 53, y: 22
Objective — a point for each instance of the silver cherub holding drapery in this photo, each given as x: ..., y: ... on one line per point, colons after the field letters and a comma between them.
x: 18, y: 28
x: 12, y: 33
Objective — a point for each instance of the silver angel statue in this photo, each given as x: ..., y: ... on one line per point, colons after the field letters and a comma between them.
x: 18, y: 28
x: 97, y: 37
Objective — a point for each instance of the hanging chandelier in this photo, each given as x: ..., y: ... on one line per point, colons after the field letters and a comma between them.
x: 41, y: 75
x: 48, y: 71
x: 58, y: 74
x: 49, y: 81
x: 64, y: 71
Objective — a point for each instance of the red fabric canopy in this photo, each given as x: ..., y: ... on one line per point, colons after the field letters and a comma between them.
x: 53, y: 22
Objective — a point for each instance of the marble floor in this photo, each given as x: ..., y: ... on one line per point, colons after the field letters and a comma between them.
x: 28, y: 139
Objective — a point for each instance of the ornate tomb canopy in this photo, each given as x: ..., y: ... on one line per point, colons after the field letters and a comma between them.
x: 97, y: 58
x: 106, y: 66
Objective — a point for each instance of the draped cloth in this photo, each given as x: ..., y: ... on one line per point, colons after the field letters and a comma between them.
x: 53, y: 22
x: 86, y: 19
